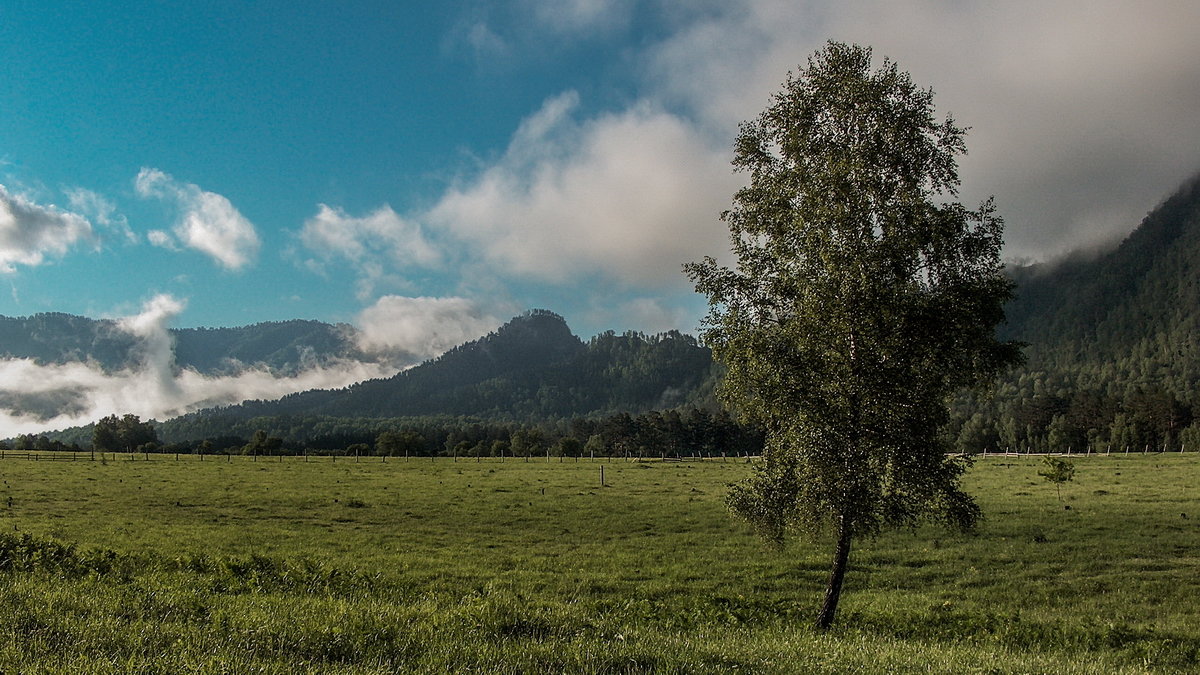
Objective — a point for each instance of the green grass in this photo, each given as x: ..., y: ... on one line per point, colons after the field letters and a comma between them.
x: 423, y: 566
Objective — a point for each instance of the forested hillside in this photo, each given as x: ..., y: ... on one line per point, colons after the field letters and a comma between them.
x: 532, y: 368
x: 286, y: 347
x: 1113, y: 356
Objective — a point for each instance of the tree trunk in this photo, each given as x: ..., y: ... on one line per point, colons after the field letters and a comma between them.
x: 833, y: 591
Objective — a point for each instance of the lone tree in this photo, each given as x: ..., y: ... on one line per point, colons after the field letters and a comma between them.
x: 860, y: 301
x: 1058, y: 471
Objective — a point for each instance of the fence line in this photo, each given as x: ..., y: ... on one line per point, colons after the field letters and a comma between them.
x: 1090, y: 451
x: 89, y: 456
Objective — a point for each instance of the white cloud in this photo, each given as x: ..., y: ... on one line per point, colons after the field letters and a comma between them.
x: 156, y: 349
x: 29, y: 232
x: 422, y: 328
x: 484, y: 42
x: 333, y: 233
x: 95, y: 394
x: 208, y: 222
x: 161, y: 239
x: 375, y: 245
x: 629, y: 195
x: 498, y: 30
x: 646, y: 314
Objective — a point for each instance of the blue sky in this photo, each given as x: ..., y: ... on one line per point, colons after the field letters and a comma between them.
x: 427, y: 170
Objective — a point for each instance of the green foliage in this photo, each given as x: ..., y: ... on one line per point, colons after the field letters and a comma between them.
x: 1057, y: 471
x: 768, y: 500
x: 285, y: 347
x: 262, y: 444
x: 678, y: 433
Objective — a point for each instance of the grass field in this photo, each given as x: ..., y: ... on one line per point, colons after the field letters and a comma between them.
x: 436, y: 566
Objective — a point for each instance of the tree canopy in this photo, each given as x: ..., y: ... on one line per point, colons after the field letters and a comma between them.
x: 860, y: 300
x: 126, y: 433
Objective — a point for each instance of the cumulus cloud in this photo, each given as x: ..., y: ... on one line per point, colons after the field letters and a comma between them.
x: 208, y: 222
x: 629, y: 195
x: 29, y: 232
x: 162, y: 239
x: 421, y: 328
x: 332, y: 233
x: 36, y: 398
x: 479, y: 39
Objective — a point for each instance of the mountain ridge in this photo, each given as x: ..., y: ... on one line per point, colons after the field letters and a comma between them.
x: 532, y: 367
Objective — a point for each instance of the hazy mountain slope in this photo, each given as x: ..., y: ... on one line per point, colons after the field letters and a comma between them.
x: 283, y: 346
x: 1124, y: 318
x: 55, y: 338
x: 1113, y: 346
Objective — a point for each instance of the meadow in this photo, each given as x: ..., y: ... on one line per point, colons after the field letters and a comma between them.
x: 270, y: 566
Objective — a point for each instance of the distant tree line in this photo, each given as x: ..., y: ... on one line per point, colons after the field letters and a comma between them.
x: 1064, y: 419
x: 38, y: 442
x: 690, y: 432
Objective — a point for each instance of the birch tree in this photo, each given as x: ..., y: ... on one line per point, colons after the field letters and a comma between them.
x: 862, y: 296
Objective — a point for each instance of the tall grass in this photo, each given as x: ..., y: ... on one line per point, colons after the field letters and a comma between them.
x: 437, y: 566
